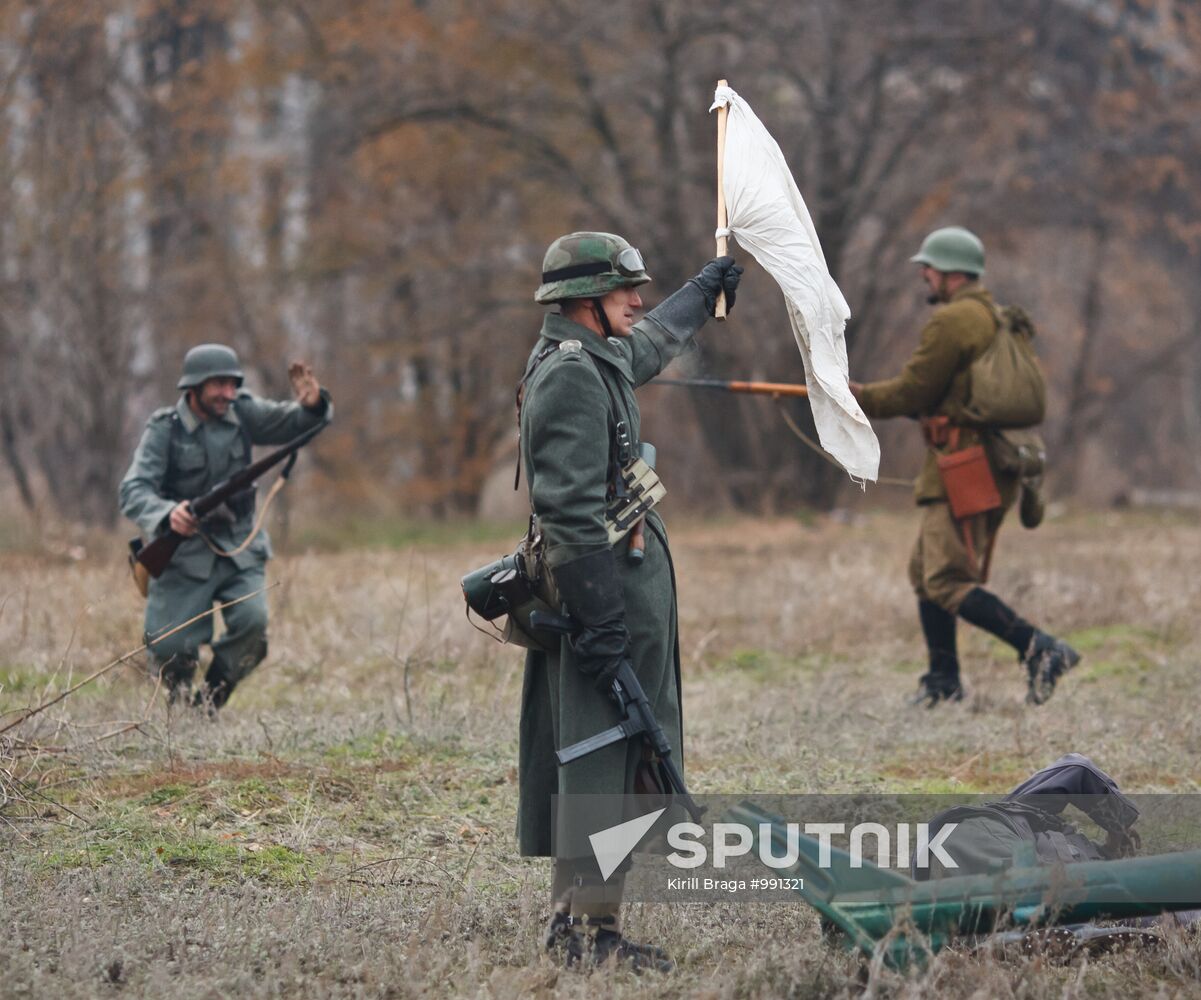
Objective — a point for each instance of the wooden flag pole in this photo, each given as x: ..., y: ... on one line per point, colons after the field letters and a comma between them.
x: 723, y: 242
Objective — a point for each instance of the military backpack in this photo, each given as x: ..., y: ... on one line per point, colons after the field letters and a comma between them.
x: 1008, y: 389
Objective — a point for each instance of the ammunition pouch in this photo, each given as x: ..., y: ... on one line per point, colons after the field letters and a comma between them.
x: 515, y: 586
x: 639, y: 490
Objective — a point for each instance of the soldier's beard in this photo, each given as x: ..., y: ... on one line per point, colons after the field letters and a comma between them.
x: 938, y: 295
x: 207, y: 409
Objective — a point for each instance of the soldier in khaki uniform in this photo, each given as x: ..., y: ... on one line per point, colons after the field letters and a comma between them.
x: 186, y: 450
x: 949, y: 562
x: 579, y: 425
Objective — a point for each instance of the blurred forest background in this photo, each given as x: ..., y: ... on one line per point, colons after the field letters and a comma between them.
x: 372, y: 183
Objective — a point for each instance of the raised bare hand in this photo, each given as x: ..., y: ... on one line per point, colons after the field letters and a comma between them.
x: 305, y: 386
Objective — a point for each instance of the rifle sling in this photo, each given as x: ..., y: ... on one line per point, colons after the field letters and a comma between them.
x: 258, y: 520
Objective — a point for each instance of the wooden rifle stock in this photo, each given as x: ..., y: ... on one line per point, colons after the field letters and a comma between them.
x: 754, y: 388
x: 156, y: 555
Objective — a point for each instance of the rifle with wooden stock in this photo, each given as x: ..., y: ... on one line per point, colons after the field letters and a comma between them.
x: 753, y: 388
x: 156, y: 555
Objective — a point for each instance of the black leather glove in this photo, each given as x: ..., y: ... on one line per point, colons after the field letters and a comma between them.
x: 591, y: 591
x: 720, y: 275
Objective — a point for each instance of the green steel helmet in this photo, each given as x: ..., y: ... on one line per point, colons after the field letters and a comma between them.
x: 586, y: 265
x: 952, y: 249
x: 206, y: 361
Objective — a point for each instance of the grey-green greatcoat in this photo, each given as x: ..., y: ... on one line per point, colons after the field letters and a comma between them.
x: 178, y: 458
x: 571, y: 403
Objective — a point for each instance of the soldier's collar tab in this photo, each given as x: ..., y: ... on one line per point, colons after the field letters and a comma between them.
x: 189, y: 419
x: 558, y: 328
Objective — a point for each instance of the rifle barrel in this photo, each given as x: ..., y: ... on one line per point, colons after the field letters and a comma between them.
x: 753, y: 388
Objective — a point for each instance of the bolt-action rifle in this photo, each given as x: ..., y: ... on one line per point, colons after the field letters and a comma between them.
x: 156, y: 555
x: 754, y: 388
x: 639, y: 720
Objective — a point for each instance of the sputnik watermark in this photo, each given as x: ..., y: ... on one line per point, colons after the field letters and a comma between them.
x: 733, y: 840
x: 770, y: 848
x: 694, y: 846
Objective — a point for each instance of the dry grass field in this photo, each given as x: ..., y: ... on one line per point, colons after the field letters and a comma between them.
x: 345, y: 828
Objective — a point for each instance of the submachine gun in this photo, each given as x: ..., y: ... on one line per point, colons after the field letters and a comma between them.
x: 639, y: 720
x: 156, y: 555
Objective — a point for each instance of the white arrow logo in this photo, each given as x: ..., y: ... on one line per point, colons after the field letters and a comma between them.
x: 613, y: 845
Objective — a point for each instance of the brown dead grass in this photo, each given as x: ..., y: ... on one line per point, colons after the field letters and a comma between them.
x: 344, y: 829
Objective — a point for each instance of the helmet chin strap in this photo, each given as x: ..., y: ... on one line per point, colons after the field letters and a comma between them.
x: 602, y: 317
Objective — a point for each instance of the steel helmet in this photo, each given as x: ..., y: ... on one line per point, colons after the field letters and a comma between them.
x: 207, y: 361
x: 587, y: 265
x: 952, y: 249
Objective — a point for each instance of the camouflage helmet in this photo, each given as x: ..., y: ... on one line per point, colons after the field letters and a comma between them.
x: 586, y: 265
x: 207, y: 361
x: 953, y: 249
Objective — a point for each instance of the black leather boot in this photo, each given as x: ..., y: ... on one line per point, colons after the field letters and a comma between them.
x: 941, y: 682
x: 1045, y: 657
x: 216, y: 689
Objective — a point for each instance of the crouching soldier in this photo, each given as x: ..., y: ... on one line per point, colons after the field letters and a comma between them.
x: 185, y: 450
x: 580, y: 429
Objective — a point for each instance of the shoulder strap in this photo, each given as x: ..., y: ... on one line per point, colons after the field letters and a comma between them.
x: 519, y: 394
x: 172, y: 438
x: 621, y: 450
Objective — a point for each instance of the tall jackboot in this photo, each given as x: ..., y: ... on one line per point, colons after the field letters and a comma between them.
x: 1045, y: 657
x: 176, y: 672
x: 217, y: 687
x: 941, y: 682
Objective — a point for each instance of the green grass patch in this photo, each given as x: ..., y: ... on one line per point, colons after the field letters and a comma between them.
x: 222, y: 859
x: 14, y: 680
x: 257, y: 793
x: 376, y: 746
x: 67, y: 859
x: 1117, y: 653
x: 165, y: 794
x: 767, y: 665
x: 1119, y: 636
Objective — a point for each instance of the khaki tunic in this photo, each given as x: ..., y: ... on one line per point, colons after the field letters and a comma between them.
x: 936, y: 381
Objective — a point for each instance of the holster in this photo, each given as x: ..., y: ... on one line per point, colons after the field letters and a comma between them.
x: 969, y: 483
x: 936, y: 431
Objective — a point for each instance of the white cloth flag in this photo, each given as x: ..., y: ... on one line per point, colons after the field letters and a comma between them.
x: 769, y: 218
